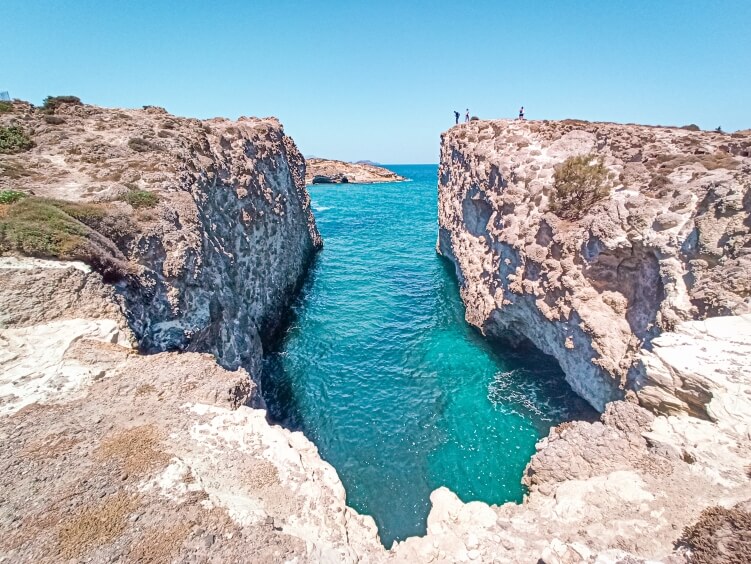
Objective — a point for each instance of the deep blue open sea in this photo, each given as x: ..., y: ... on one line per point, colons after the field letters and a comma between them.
x: 382, y: 373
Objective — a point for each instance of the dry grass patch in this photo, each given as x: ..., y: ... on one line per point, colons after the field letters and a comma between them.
x: 159, y: 544
x: 50, y: 446
x: 138, y: 449
x: 720, y: 536
x: 95, y: 525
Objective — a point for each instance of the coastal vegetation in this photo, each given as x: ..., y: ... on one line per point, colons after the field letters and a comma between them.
x: 55, y: 229
x: 10, y: 196
x: 578, y: 183
x: 140, y: 199
x: 51, y: 103
x: 13, y: 139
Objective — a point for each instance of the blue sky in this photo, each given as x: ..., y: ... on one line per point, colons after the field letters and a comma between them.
x: 380, y: 80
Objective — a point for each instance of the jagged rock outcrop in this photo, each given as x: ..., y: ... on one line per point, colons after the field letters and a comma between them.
x: 213, y: 264
x: 110, y: 454
x: 107, y: 454
x: 668, y: 244
x: 327, y: 171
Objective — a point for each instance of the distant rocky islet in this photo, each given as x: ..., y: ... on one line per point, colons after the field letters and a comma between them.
x: 328, y: 171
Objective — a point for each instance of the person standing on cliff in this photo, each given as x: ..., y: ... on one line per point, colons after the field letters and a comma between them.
x: 456, y: 115
x: 521, y: 112
x: 466, y: 116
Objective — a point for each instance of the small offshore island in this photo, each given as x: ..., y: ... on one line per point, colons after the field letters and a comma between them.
x: 327, y: 171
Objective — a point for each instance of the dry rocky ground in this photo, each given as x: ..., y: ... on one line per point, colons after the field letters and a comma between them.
x: 110, y: 455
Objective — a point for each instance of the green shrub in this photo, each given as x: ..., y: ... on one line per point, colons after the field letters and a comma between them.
x: 5, y: 107
x: 691, y: 127
x: 141, y: 145
x: 140, y: 199
x: 46, y: 228
x: 51, y: 103
x: 14, y: 140
x: 10, y: 196
x: 578, y: 183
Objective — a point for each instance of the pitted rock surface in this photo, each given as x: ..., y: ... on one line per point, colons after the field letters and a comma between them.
x: 669, y: 244
x: 215, y: 264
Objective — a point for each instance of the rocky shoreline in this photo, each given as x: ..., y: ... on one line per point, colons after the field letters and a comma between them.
x: 111, y: 454
x: 327, y: 171
x: 641, y: 295
x: 186, y: 240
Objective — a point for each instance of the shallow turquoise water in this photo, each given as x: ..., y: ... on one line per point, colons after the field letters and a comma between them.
x: 380, y: 370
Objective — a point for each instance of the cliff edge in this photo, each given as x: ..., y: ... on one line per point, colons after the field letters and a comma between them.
x: 659, y: 236
x: 125, y: 232
x: 204, y: 227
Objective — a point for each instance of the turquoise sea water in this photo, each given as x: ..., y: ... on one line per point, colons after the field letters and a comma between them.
x: 382, y: 373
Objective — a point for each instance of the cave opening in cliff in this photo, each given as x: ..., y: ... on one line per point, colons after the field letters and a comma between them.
x: 380, y: 370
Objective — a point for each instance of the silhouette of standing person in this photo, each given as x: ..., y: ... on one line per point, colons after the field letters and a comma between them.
x: 456, y: 115
x: 521, y: 112
x: 466, y: 116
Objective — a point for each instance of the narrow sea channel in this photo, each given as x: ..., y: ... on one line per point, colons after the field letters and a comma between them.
x: 382, y: 373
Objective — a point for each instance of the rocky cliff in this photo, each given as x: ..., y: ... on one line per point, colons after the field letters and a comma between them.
x: 110, y: 455
x: 594, y: 281
x: 197, y: 232
x: 641, y: 292
x: 192, y: 236
x: 204, y: 226
x: 327, y: 171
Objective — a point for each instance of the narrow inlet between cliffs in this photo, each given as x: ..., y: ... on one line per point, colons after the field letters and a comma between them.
x: 379, y: 369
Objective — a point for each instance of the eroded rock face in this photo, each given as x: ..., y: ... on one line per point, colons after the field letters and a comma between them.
x: 108, y: 454
x: 669, y: 244
x: 215, y: 263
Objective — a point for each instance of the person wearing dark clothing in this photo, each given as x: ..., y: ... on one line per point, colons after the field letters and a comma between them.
x: 466, y: 116
x: 456, y: 115
x: 521, y: 112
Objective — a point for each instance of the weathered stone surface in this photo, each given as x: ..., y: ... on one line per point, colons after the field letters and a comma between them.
x: 669, y: 243
x: 327, y: 171
x: 623, y: 489
x: 216, y: 262
x: 107, y: 453
x: 112, y: 455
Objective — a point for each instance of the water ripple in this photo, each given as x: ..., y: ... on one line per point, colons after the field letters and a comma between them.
x: 380, y: 370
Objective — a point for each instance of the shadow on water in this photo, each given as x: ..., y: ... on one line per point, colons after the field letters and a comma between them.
x: 277, y: 387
